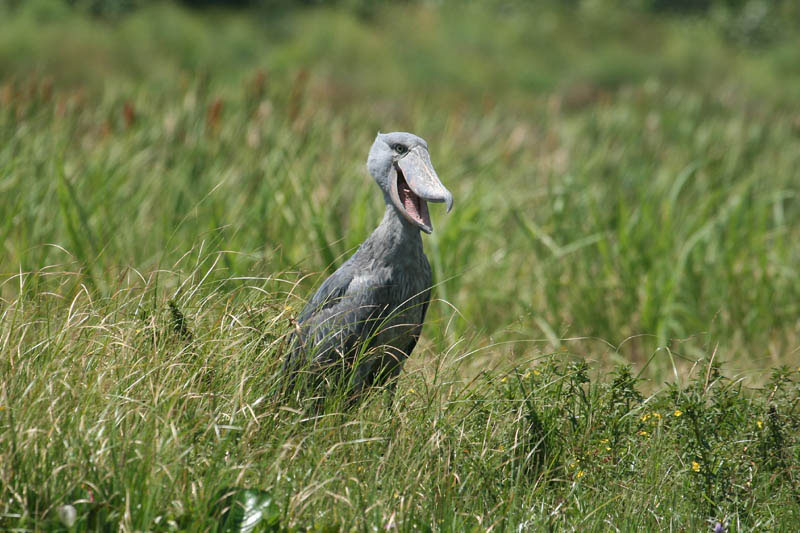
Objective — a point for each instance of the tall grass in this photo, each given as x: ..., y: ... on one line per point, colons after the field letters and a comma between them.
x: 142, y: 415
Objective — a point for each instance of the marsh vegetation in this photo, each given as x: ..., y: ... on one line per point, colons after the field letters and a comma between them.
x: 615, y: 338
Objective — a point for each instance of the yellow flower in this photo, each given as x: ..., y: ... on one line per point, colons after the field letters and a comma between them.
x: 677, y: 412
x: 503, y: 380
x: 656, y: 415
x: 536, y: 372
x: 608, y: 449
x: 760, y: 424
x: 643, y: 433
x: 603, y: 441
x: 525, y: 375
x: 579, y: 474
x: 645, y: 417
x: 695, y: 466
x: 411, y: 391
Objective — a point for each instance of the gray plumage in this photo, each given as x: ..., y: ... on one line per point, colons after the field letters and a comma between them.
x: 364, y: 321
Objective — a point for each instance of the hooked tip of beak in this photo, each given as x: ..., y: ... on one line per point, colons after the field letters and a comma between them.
x: 449, y: 201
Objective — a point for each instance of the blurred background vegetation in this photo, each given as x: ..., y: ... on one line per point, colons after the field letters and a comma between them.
x: 625, y: 171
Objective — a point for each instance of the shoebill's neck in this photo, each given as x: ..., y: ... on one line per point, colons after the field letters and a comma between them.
x: 394, y: 236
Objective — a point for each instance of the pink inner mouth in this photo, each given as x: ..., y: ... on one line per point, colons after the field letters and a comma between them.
x: 415, y: 207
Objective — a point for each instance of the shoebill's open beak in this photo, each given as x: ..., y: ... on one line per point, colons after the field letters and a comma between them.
x: 415, y: 184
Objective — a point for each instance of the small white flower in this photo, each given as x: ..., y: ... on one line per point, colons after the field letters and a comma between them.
x: 67, y: 514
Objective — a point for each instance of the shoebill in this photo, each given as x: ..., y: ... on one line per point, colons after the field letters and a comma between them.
x: 364, y: 321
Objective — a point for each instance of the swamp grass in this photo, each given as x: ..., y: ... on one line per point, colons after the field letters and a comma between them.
x: 141, y: 415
